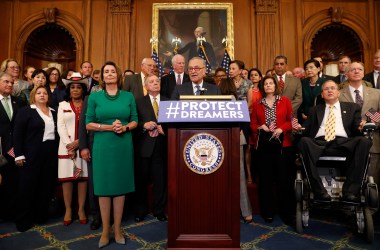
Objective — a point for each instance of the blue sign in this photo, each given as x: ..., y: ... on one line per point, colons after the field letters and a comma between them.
x: 203, y: 111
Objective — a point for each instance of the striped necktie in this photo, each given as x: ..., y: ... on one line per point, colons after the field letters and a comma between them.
x: 155, y: 107
x: 330, y: 125
x: 358, y: 98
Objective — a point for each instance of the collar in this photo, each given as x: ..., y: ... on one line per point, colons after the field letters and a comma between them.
x: 157, y: 97
x: 352, y: 89
x: 33, y: 106
x: 336, y: 105
x: 283, y: 76
x: 276, y: 98
x: 200, y: 85
x: 1, y: 97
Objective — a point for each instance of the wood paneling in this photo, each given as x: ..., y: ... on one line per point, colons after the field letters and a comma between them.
x: 125, y: 38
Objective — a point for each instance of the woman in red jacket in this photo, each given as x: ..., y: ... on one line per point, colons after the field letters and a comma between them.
x: 271, y: 126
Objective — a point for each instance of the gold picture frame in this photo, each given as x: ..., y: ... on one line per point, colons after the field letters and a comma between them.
x: 179, y: 20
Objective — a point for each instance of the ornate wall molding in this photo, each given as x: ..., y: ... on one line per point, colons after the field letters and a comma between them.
x: 266, y: 6
x: 120, y: 7
x: 336, y: 14
x: 50, y: 14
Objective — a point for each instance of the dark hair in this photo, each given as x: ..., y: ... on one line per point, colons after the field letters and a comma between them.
x: 239, y: 63
x: 220, y: 70
x: 227, y: 87
x: 316, y: 63
x: 66, y: 73
x: 277, y: 90
x: 26, y: 71
x: 39, y: 71
x: 255, y: 69
x: 281, y: 57
x: 67, y: 91
x: 118, y: 72
x: 60, y: 84
x: 86, y: 62
x: 33, y: 95
x: 129, y: 70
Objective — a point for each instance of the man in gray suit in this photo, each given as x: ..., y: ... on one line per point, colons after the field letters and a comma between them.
x: 197, y: 70
x: 135, y: 83
x: 292, y: 85
x: 369, y: 98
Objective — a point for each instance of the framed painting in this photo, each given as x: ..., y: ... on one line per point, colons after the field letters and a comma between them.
x: 176, y: 26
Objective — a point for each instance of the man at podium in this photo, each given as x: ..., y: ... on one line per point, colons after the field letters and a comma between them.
x: 197, y: 70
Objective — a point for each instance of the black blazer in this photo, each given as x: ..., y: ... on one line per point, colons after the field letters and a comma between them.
x: 86, y: 138
x: 6, y: 125
x: 145, y: 143
x: 370, y: 78
x: 169, y: 82
x: 133, y: 84
x: 187, y: 89
x: 93, y: 83
x: 351, y: 117
x: 28, y: 134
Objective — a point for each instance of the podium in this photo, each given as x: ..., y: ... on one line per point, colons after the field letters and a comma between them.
x: 203, y: 173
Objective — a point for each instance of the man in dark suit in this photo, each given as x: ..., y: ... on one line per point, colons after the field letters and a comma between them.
x: 374, y: 76
x: 9, y: 107
x: 86, y: 69
x: 343, y: 138
x: 292, y: 85
x: 168, y: 82
x: 197, y: 70
x: 135, y: 83
x: 151, y: 150
x: 343, y: 63
x: 321, y: 75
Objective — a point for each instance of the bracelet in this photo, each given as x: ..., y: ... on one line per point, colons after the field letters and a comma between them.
x: 126, y: 129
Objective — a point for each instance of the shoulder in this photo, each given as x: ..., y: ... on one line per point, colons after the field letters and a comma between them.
x: 64, y: 104
x: 349, y: 105
x: 127, y: 95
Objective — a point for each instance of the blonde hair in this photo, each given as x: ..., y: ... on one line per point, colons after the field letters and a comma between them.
x: 4, y: 64
x: 33, y: 95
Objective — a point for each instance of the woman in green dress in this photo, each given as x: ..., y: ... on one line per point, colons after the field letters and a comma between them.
x: 112, y: 114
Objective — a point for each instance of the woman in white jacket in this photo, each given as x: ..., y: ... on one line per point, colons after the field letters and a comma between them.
x: 71, y: 167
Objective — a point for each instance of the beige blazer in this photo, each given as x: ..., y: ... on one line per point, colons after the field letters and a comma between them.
x: 293, y: 91
x: 371, y: 99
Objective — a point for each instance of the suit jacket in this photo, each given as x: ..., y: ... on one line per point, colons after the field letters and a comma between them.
x: 187, y: 89
x: 370, y: 78
x: 86, y: 138
x: 7, y: 126
x: 350, y: 118
x: 169, y: 82
x: 192, y: 49
x: 283, y: 119
x: 371, y: 99
x: 133, y: 84
x: 28, y: 134
x: 293, y: 91
x: 145, y: 143
x: 92, y: 84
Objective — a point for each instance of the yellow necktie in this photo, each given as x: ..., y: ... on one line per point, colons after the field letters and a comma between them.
x: 330, y: 125
x: 144, y: 89
x: 155, y: 107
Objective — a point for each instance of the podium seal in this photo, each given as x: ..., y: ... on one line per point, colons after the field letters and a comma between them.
x: 203, y: 153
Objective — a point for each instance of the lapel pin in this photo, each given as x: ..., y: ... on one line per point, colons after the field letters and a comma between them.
x: 344, y: 111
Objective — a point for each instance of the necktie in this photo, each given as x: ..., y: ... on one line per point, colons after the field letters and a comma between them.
x: 7, y: 108
x: 179, y: 80
x: 282, y: 83
x: 198, y: 91
x: 144, y: 89
x: 330, y: 125
x: 155, y: 107
x: 342, y: 78
x: 358, y: 98
x: 378, y: 80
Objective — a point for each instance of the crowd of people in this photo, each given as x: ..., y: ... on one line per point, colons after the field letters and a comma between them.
x: 98, y: 130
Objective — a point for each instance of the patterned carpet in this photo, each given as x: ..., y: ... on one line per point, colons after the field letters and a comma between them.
x: 151, y: 234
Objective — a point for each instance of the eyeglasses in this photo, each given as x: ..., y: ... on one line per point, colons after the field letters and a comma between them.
x: 196, y: 69
x: 356, y: 69
x: 14, y: 68
x: 329, y: 88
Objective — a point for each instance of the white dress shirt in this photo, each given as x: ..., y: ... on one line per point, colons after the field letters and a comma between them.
x: 195, y: 86
x: 176, y: 77
x: 339, y: 128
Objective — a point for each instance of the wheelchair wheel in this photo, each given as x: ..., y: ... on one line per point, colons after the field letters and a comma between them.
x: 373, y: 199
x: 369, y: 229
x: 298, y: 190
x: 299, y: 227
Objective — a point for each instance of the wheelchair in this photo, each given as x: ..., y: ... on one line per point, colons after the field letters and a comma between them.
x: 332, y: 175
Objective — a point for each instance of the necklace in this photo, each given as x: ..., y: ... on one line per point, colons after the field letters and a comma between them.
x: 112, y: 97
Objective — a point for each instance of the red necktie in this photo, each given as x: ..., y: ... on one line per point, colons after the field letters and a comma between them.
x: 178, y: 80
x: 282, y: 84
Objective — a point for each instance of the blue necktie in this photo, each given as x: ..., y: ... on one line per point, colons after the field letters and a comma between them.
x: 198, y: 91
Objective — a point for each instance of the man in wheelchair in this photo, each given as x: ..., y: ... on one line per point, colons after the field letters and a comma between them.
x: 335, y: 127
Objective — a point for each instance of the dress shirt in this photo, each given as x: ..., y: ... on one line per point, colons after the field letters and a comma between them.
x: 339, y: 129
x: 353, y: 94
x: 157, y: 99
x: 283, y: 78
x: 176, y: 77
x: 194, y: 86
x: 9, y: 101
x: 375, y: 76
